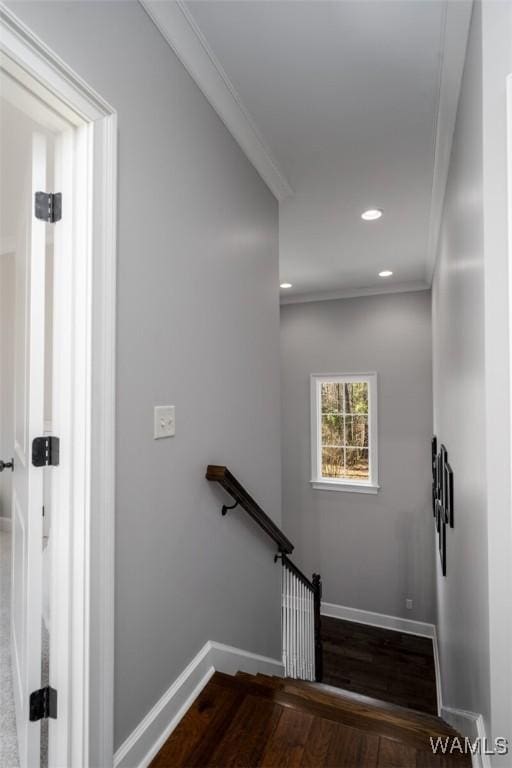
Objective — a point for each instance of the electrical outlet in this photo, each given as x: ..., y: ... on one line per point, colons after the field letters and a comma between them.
x: 164, y: 421
x: 408, y: 603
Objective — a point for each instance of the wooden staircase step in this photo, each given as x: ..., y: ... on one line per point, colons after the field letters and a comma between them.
x: 344, y: 698
x: 247, y: 721
x: 246, y: 737
x: 287, y: 745
x: 270, y: 678
x: 192, y: 741
x: 260, y: 679
x: 273, y: 682
x: 391, y: 722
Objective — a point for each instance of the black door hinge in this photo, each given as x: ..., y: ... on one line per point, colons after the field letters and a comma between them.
x: 48, y: 206
x: 45, y: 451
x: 43, y: 704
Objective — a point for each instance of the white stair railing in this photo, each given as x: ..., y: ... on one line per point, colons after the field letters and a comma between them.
x: 300, y: 623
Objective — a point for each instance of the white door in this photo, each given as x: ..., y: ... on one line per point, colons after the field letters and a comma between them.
x: 27, y: 479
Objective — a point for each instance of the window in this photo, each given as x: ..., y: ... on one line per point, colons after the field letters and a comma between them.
x: 344, y: 432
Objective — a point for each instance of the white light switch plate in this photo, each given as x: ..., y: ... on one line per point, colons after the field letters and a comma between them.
x: 165, y: 423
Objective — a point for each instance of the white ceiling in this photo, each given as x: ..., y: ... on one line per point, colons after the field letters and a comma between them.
x: 341, y: 106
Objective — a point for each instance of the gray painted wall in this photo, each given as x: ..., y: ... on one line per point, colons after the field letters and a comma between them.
x: 497, y: 66
x: 458, y: 320
x: 372, y: 551
x: 472, y: 385
x: 198, y: 327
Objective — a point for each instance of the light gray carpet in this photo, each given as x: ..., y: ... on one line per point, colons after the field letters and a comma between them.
x: 8, y: 739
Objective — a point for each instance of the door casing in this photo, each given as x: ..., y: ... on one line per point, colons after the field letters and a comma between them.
x: 82, y: 650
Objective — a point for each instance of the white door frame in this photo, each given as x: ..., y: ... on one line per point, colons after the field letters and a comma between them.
x: 82, y: 735
x: 509, y: 231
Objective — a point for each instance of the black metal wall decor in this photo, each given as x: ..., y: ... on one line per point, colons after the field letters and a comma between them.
x: 442, y: 497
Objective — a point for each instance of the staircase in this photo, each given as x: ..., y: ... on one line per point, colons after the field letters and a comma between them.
x: 255, y: 720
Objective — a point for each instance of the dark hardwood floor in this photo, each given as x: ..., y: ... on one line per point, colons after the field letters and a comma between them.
x: 380, y: 663
x: 261, y: 722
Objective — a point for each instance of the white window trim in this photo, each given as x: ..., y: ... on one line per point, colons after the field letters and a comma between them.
x: 351, y: 486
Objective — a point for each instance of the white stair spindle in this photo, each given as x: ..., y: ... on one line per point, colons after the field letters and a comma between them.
x: 283, y: 615
x: 306, y: 609
x: 303, y: 623
x: 297, y: 608
x: 312, y: 635
x: 287, y: 670
x: 285, y: 623
x: 294, y: 630
x: 311, y: 638
x: 296, y: 626
x: 299, y: 614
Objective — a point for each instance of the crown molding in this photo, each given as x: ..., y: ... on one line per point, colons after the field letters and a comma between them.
x: 352, y: 293
x: 457, y: 18
x: 181, y: 32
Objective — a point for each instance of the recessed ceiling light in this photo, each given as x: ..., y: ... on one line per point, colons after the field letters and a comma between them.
x: 285, y: 285
x: 385, y: 273
x: 372, y: 214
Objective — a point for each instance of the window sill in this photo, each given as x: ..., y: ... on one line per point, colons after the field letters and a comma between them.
x: 332, y: 485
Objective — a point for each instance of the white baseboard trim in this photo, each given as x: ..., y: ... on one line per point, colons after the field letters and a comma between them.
x: 437, y: 667
x: 470, y: 725
x: 409, y: 626
x: 5, y: 523
x: 145, y: 741
x: 226, y: 658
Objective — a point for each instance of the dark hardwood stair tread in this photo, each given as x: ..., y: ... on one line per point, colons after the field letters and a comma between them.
x: 274, y: 682
x: 259, y: 679
x: 392, y: 754
x: 211, y: 709
x: 414, y: 728
x: 347, y: 698
x: 246, y: 737
x: 351, y: 747
x: 317, y: 746
x: 270, y: 683
x: 247, y: 721
x: 344, y: 698
x: 286, y: 746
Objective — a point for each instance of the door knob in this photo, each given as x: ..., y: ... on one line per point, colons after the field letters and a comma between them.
x: 7, y: 465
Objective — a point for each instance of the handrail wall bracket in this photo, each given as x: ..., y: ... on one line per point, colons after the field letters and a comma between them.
x: 223, y: 476
x: 225, y: 507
